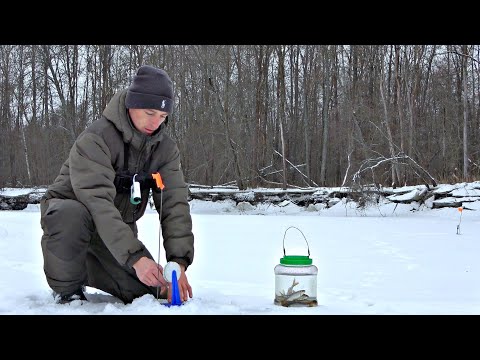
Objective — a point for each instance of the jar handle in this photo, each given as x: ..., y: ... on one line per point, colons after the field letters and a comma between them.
x: 308, y: 248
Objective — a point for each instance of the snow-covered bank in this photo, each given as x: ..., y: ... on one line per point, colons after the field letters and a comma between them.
x: 337, y: 200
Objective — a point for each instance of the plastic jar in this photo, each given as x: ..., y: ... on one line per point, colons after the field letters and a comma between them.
x: 295, y: 279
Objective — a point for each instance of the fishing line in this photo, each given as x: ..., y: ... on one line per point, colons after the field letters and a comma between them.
x: 159, y: 238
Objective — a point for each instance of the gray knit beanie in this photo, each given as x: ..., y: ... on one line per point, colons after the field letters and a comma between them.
x: 151, y: 88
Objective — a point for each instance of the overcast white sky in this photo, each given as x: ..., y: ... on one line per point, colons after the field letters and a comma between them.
x: 379, y: 261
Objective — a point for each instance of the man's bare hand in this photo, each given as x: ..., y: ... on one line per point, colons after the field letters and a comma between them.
x: 149, y: 272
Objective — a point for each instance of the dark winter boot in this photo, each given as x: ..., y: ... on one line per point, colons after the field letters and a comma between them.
x: 69, y: 297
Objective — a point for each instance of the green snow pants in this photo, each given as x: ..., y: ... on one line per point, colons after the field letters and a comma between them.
x: 74, y: 255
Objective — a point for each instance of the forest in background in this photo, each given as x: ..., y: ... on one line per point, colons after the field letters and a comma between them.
x: 258, y: 115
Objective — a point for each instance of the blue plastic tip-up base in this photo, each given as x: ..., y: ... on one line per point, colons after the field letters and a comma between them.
x: 175, y: 293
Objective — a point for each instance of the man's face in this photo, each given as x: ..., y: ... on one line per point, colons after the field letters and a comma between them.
x: 147, y: 120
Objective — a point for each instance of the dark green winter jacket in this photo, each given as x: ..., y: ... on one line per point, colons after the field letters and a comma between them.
x: 88, y: 176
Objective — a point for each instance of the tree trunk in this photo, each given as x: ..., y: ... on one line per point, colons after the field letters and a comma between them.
x: 391, y: 146
x: 465, y: 111
x: 281, y: 107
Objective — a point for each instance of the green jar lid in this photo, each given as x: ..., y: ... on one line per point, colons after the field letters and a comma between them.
x: 295, y: 260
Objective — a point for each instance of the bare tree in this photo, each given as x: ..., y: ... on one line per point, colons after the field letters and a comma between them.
x: 280, y: 50
x: 391, y: 145
x: 465, y: 110
x: 328, y: 54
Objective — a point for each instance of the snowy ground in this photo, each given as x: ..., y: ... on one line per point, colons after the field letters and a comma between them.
x: 381, y: 260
